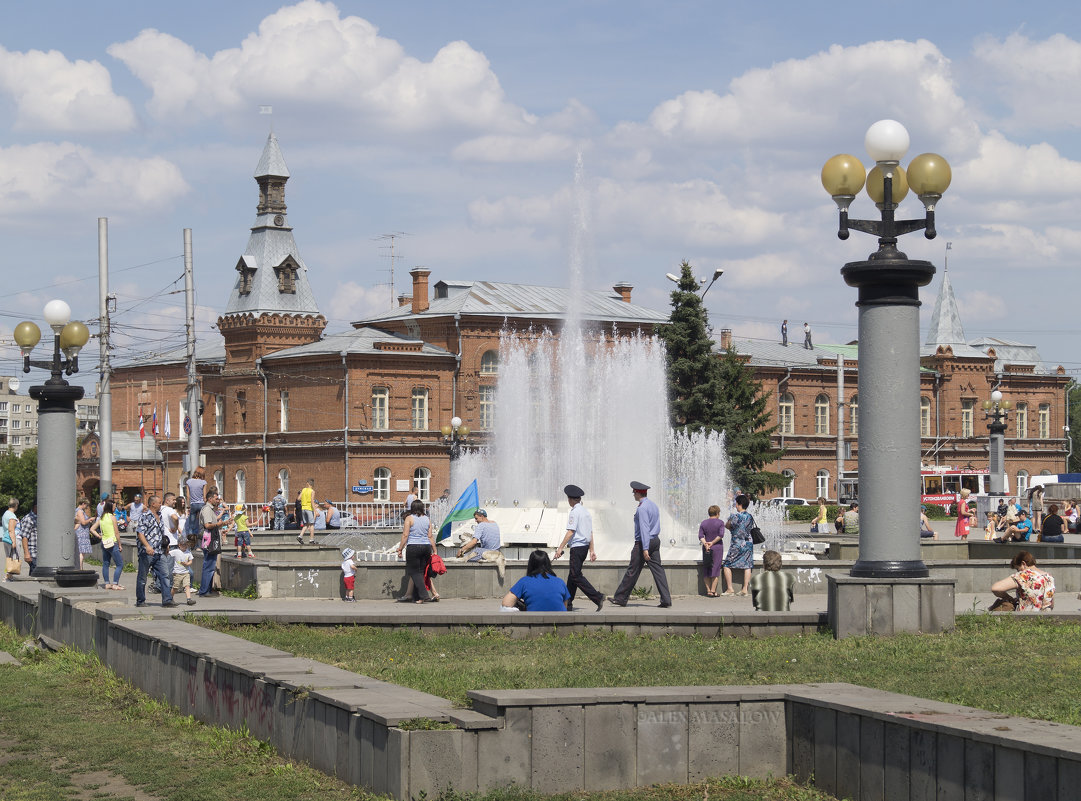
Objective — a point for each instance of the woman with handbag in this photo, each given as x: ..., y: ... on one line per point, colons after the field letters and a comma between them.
x: 418, y: 543
x: 83, y: 520
x: 819, y: 525
x: 110, y: 546
x: 741, y: 550
x: 12, y: 565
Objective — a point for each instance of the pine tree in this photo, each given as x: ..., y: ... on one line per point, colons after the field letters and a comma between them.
x: 705, y: 392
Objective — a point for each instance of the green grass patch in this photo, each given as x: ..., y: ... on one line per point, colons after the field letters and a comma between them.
x: 969, y: 666
x: 97, y: 722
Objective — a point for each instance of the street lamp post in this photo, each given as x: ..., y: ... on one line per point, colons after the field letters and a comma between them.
x: 701, y: 281
x: 996, y: 411
x: 888, y: 302
x: 56, y: 433
x: 455, y: 436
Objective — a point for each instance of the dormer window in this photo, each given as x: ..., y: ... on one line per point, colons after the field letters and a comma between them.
x: 286, y: 273
x: 247, y: 277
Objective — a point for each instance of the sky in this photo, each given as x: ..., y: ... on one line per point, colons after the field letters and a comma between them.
x: 700, y: 129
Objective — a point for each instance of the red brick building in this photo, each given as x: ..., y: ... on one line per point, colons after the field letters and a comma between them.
x: 284, y: 402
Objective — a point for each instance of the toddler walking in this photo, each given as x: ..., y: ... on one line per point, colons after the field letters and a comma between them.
x: 182, y: 560
x: 243, y: 534
x: 349, y: 573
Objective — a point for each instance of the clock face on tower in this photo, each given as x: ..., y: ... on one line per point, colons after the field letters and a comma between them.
x: 279, y: 220
x: 93, y: 448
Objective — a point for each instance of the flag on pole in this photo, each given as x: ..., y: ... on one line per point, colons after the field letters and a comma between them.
x: 154, y: 423
x: 142, y: 428
x: 266, y: 109
x: 463, y: 510
x: 168, y: 427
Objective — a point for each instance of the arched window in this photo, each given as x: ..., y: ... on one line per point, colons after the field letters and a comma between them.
x: 822, y: 483
x: 1045, y: 472
x: 789, y: 489
x: 925, y: 417
x: 854, y: 416
x: 489, y: 362
x: 822, y: 414
x: 422, y: 480
x: 786, y: 413
x: 241, y: 486
x: 219, y: 483
x: 1022, y: 482
x: 381, y: 482
x: 283, y: 482
x: 182, y: 485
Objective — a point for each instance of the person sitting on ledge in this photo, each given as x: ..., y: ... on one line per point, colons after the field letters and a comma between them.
x: 1053, y: 526
x: 1018, y: 532
x: 852, y: 519
x: 540, y: 590
x: 926, y: 532
x: 1035, y: 588
x: 772, y: 590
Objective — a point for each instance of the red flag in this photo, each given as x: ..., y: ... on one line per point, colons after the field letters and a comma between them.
x: 142, y: 428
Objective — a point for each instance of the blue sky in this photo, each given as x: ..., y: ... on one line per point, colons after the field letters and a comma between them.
x: 702, y: 127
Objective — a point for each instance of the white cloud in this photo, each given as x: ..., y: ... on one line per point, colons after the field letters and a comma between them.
x: 806, y: 100
x: 351, y: 301
x: 49, y: 176
x: 1004, y: 169
x: 508, y: 149
x: 309, y: 54
x: 1041, y: 81
x: 52, y: 93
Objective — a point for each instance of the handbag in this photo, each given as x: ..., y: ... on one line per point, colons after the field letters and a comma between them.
x: 95, y: 538
x: 13, y: 566
x: 756, y: 533
x: 437, y: 566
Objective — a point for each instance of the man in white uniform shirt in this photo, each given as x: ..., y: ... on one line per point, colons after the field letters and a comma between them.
x: 580, y: 538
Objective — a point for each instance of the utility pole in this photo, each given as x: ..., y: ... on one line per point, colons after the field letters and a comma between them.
x: 192, y: 421
x: 840, y: 424
x: 105, y: 399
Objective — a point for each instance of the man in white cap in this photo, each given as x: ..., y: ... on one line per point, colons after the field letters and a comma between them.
x: 349, y: 573
x: 646, y: 550
x: 579, y: 537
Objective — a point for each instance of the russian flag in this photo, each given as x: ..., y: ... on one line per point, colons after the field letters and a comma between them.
x: 154, y: 423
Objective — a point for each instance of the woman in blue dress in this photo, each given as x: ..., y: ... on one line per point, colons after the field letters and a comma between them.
x: 741, y: 550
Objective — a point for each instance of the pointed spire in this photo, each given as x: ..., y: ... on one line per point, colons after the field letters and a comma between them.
x: 271, y: 163
x: 945, y: 326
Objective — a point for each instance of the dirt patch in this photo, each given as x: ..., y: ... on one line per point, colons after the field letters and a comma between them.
x: 101, y: 786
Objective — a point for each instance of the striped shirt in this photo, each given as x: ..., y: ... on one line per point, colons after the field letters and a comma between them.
x: 771, y: 590
x: 150, y: 526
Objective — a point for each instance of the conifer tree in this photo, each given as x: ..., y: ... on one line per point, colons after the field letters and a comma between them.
x: 707, y: 392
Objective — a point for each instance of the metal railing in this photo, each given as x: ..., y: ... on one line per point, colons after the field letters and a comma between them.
x: 355, y: 515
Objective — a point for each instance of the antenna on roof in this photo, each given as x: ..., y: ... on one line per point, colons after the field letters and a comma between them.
x: 946, y: 257
x: 269, y: 110
x: 392, y: 255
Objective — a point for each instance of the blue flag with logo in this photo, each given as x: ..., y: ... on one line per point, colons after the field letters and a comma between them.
x: 467, y: 504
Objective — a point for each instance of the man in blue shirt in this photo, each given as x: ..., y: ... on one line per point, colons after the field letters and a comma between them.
x: 580, y: 538
x: 646, y: 550
x: 486, y: 537
x: 1018, y: 532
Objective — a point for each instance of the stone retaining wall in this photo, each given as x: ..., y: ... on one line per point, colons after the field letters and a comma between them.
x: 855, y: 742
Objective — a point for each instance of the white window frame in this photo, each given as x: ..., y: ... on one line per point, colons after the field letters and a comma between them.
x: 925, y: 416
x: 786, y: 414
x: 381, y: 483
x: 283, y: 482
x: 486, y: 407
x: 1021, y: 420
x: 241, y: 479
x: 380, y: 408
x: 418, y: 416
x: 489, y: 362
x: 822, y: 484
x: 1043, y: 421
x: 219, y: 481
x: 968, y: 418
x: 283, y: 405
x: 854, y: 416
x: 422, y: 481
x: 822, y: 415
x: 219, y: 414
x: 1022, y: 482
x: 789, y: 489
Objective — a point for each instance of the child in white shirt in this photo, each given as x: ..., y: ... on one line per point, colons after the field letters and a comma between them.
x: 349, y: 573
x: 182, y: 559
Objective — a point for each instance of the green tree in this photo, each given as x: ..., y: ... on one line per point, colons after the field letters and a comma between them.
x: 719, y: 394
x: 19, y: 478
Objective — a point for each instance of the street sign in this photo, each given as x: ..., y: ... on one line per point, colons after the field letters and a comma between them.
x: 363, y: 489
x: 187, y: 425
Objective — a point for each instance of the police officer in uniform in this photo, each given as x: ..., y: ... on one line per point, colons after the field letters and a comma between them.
x: 580, y: 538
x: 646, y: 550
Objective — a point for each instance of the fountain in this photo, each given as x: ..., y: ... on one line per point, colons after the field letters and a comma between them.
x: 589, y: 407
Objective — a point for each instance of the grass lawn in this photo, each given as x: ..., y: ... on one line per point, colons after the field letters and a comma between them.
x: 1026, y: 667
x: 70, y: 729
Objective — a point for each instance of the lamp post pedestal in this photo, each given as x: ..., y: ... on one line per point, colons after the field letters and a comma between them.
x: 56, y: 476
x: 889, y: 414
